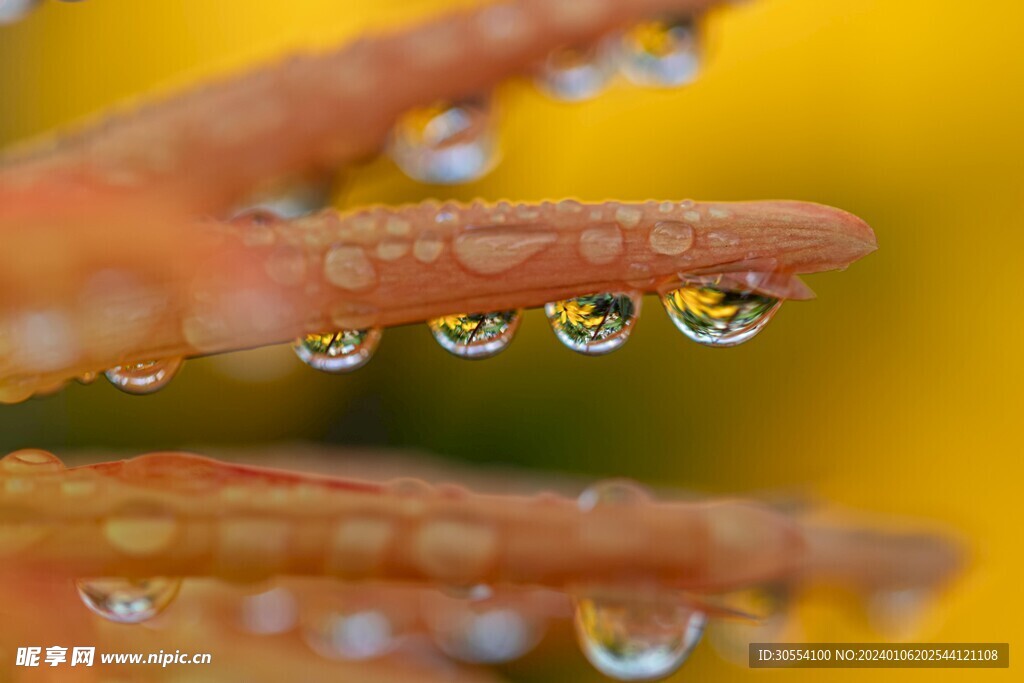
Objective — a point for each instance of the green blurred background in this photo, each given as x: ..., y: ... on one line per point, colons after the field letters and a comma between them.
x: 898, y: 391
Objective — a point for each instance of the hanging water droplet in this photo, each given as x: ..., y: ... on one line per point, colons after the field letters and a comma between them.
x: 339, y: 633
x: 14, y: 10
x: 574, y: 74
x: 718, y: 317
x: 447, y: 144
x: 594, y: 324
x: 338, y: 352
x: 144, y: 378
x: 660, y: 53
x: 636, y: 638
x: 475, y: 335
x: 484, y: 629
x: 128, y: 601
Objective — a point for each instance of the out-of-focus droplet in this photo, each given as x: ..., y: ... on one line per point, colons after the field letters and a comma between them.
x: 766, y: 620
x: 636, y: 637
x: 294, y: 200
x: 660, y: 53
x: 717, y: 317
x: 483, y: 629
x: 13, y: 10
x: 144, y: 378
x: 447, y: 144
x: 574, y: 74
x: 128, y: 601
x: 898, y: 613
x: 272, y: 611
x: 475, y: 335
x: 338, y: 352
x: 595, y: 324
x: 612, y: 492
x: 355, y: 634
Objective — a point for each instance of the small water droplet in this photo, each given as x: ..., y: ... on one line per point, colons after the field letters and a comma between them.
x: 475, y: 335
x: 574, y: 74
x: 350, y: 633
x: 141, y: 530
x: 144, y: 378
x: 594, y: 324
x: 612, y: 492
x: 717, y: 317
x: 660, y: 53
x: 338, y: 352
x: 636, y: 637
x: 447, y: 144
x: 346, y: 266
x: 14, y: 10
x: 128, y: 601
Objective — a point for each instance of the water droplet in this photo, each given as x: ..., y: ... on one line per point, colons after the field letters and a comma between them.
x: 491, y: 632
x: 574, y: 74
x: 144, y: 378
x: 128, y: 601
x: 491, y: 250
x: 475, y: 335
x: 347, y: 267
x: 660, y: 53
x: 338, y: 352
x: 671, y: 238
x: 636, y: 637
x: 594, y: 324
x: 14, y: 10
x: 31, y: 461
x: 272, y: 611
x: 612, y: 492
x: 601, y: 244
x: 899, y: 613
x: 350, y: 633
x: 717, y: 317
x: 141, y: 530
x: 766, y: 610
x: 447, y: 144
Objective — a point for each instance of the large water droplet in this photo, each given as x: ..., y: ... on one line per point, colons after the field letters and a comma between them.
x: 339, y: 633
x: 660, y: 53
x: 128, y: 601
x: 475, y: 335
x: 447, y: 144
x: 594, y: 324
x: 144, y: 378
x: 574, y: 74
x: 13, y: 10
x: 338, y: 352
x: 636, y: 637
x: 718, y: 317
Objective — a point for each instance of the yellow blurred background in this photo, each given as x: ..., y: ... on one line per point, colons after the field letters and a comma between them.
x: 898, y: 391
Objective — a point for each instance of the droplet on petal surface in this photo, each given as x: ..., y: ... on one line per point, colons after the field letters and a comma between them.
x: 338, y: 352
x: 713, y: 316
x: 660, y: 53
x: 144, y: 378
x: 594, y: 324
x: 127, y: 601
x: 636, y: 637
x: 447, y: 144
x: 475, y: 335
